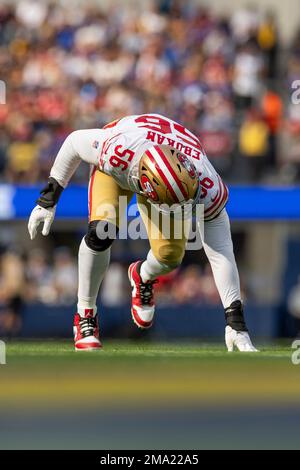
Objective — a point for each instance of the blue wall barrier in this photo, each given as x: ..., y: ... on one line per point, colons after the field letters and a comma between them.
x: 270, y: 203
x: 173, y: 322
x: 245, y: 203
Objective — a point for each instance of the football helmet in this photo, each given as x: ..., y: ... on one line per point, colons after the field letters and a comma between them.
x: 167, y: 177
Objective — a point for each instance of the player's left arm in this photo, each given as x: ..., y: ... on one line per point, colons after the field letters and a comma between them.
x: 218, y: 247
x: 77, y: 147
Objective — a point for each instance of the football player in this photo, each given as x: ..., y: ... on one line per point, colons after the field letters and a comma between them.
x: 165, y: 165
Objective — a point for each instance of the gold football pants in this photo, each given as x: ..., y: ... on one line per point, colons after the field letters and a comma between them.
x: 167, y: 240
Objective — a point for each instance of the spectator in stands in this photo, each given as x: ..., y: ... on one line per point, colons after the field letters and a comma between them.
x: 11, y: 293
x: 166, y: 289
x: 272, y: 108
x: 244, y: 23
x: 115, y: 285
x: 39, y: 279
x: 208, y: 286
x: 294, y: 304
x: 289, y: 158
x: 64, y: 276
x: 267, y: 38
x: 188, y: 286
x: 247, y: 74
x: 253, y: 144
x: 79, y: 68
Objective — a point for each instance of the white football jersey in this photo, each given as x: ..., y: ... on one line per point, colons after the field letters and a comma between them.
x: 118, y: 147
x: 127, y: 139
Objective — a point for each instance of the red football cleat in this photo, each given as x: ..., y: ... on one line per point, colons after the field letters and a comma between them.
x: 86, y: 330
x: 143, y: 306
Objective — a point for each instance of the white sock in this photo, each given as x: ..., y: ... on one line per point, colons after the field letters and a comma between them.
x: 91, y: 269
x: 152, y: 268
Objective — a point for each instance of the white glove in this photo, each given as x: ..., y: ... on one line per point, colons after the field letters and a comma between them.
x: 239, y: 339
x: 40, y: 215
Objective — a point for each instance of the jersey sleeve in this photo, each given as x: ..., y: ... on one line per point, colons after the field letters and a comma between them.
x: 81, y: 145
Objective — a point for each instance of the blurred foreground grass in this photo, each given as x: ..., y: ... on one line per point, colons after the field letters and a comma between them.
x: 40, y: 372
x: 148, y: 396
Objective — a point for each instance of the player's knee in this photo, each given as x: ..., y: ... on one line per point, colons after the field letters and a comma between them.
x: 170, y: 255
x: 100, y: 235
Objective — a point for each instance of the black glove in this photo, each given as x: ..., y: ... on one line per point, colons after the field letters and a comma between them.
x: 50, y: 194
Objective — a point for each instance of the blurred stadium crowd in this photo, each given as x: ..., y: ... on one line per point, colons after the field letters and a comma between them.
x: 38, y: 277
x: 69, y: 68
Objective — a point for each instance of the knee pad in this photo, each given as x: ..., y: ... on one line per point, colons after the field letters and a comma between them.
x: 100, y: 235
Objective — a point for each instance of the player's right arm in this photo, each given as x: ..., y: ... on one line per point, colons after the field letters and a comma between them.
x: 77, y: 147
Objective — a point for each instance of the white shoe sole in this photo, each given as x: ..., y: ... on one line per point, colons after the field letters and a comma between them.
x: 138, y: 324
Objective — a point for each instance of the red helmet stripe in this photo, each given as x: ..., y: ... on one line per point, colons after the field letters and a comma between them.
x: 163, y: 177
x: 166, y: 162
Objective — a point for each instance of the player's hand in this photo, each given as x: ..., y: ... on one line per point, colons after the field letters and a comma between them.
x: 238, y: 339
x: 40, y: 215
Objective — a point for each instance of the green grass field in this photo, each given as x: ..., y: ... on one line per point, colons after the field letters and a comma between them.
x: 196, y: 371
x: 117, y: 349
x: 148, y: 395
